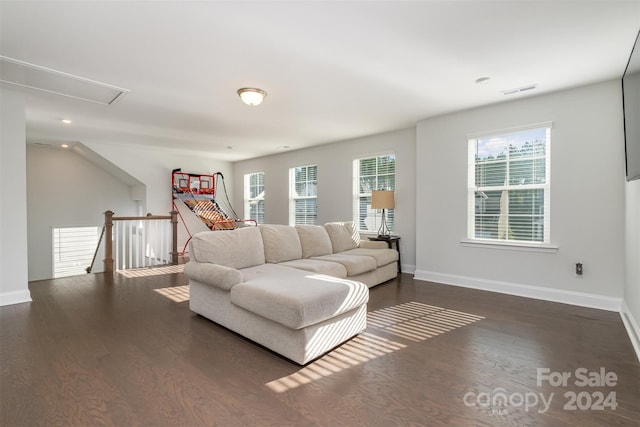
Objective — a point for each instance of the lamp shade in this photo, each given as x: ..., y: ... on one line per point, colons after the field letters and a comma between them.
x: 382, y: 199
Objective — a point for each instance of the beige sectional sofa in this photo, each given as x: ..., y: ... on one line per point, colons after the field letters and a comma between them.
x: 299, y: 291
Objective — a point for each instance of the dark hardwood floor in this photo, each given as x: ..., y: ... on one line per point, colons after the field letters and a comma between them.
x: 126, y: 351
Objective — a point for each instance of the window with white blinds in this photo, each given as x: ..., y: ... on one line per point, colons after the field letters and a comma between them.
x: 303, y: 195
x: 254, y: 196
x: 509, y: 186
x: 73, y: 249
x: 372, y: 173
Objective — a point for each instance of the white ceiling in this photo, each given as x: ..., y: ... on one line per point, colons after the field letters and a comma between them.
x: 333, y: 70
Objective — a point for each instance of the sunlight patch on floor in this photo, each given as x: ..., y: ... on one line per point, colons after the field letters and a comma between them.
x: 417, y: 322
x: 151, y: 271
x: 412, y: 321
x: 360, y: 349
x: 175, y: 293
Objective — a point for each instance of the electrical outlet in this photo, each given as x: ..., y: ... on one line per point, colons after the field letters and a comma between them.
x: 578, y: 269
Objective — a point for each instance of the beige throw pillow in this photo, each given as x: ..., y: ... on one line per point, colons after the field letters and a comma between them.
x: 343, y: 236
x: 281, y: 243
x: 239, y: 248
x: 314, y: 240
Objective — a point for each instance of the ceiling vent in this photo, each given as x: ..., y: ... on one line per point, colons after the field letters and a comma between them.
x: 519, y: 89
x: 26, y: 75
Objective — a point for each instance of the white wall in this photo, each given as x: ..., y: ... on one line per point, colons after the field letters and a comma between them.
x: 632, y: 270
x: 66, y: 190
x: 153, y: 166
x: 335, y: 178
x: 587, y: 199
x: 13, y: 200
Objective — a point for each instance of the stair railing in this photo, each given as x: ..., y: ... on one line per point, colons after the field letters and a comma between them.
x: 135, y: 242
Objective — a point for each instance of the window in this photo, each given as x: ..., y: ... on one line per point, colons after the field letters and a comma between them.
x: 303, y: 195
x: 254, y: 196
x: 372, y: 173
x: 73, y: 249
x: 508, y: 186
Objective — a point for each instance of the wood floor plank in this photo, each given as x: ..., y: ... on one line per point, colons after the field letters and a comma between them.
x: 115, y: 351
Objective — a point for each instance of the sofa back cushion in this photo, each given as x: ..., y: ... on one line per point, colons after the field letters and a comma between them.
x: 240, y: 248
x: 281, y: 243
x: 343, y: 236
x: 314, y: 240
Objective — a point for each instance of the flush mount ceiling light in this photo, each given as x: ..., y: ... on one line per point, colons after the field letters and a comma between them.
x: 251, y: 96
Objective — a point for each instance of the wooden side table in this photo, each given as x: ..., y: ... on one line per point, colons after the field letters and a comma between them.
x: 390, y: 241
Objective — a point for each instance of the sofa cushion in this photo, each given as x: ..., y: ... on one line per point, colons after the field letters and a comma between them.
x: 281, y: 243
x: 343, y: 236
x: 297, y: 302
x: 373, y: 244
x: 317, y: 266
x: 260, y: 271
x: 382, y: 256
x: 213, y: 274
x: 314, y: 239
x: 355, y: 264
x: 238, y: 248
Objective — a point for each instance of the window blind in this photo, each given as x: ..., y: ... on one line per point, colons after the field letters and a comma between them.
x: 303, y: 195
x: 509, y: 186
x: 73, y: 249
x: 372, y: 173
x: 254, y: 196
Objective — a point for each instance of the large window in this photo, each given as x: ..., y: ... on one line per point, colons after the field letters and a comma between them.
x: 73, y: 249
x: 254, y: 196
x: 508, y: 186
x: 372, y: 173
x: 303, y: 195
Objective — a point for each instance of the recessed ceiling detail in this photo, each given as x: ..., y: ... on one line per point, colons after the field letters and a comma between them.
x: 321, y: 89
x: 31, y: 76
x: 519, y: 89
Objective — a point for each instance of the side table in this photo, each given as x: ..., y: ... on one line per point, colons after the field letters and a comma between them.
x: 390, y: 241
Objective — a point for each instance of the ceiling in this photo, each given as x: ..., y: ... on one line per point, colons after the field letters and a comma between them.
x: 333, y: 70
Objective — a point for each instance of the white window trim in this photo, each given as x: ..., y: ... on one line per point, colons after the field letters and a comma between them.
x: 293, y: 197
x: 510, y: 245
x: 471, y: 241
x: 247, y: 191
x: 474, y: 135
x: 355, y: 193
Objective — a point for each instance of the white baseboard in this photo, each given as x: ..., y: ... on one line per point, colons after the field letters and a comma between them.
x: 633, y: 330
x: 548, y: 294
x: 409, y: 269
x: 16, y: 297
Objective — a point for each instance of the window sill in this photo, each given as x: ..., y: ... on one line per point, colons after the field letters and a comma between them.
x: 368, y: 233
x: 510, y: 246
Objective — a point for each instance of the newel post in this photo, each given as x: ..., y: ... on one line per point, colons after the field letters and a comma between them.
x: 108, y: 243
x: 174, y: 240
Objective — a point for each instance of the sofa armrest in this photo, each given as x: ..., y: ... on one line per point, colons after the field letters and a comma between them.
x: 372, y: 244
x: 213, y: 274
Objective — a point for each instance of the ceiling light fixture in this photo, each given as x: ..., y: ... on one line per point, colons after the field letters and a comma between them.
x: 66, y: 121
x: 251, y: 96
